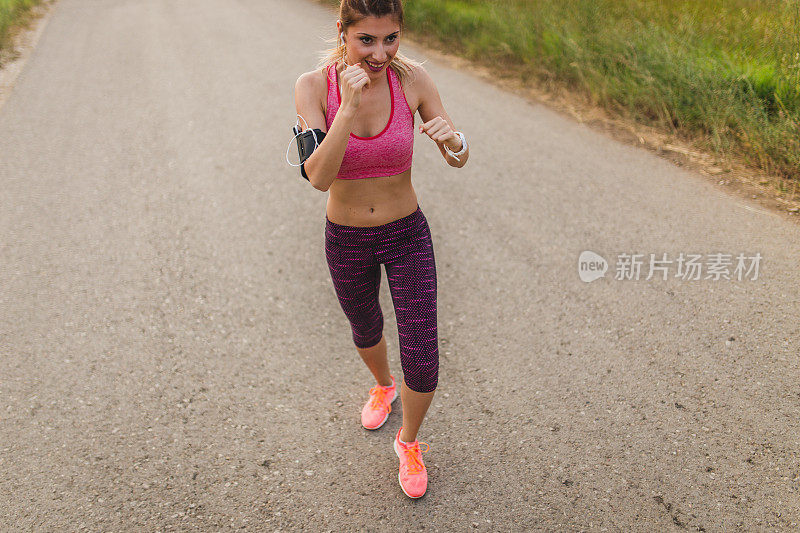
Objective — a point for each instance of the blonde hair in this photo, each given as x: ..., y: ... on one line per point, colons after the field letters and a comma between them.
x: 352, y: 11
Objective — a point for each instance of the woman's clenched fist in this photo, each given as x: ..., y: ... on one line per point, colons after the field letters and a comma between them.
x: 352, y: 81
x: 440, y: 131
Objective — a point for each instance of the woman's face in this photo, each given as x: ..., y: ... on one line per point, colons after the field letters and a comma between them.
x: 372, y: 42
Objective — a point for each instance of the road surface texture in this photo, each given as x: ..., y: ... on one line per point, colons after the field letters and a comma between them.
x: 174, y: 356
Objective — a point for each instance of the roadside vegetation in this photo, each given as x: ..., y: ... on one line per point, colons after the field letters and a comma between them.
x: 724, y: 74
x: 11, y: 12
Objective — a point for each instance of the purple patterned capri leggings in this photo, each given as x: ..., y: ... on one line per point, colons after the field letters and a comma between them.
x: 405, y: 248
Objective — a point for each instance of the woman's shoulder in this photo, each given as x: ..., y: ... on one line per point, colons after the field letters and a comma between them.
x: 417, y: 73
x: 417, y: 84
x: 311, y: 90
x: 313, y: 82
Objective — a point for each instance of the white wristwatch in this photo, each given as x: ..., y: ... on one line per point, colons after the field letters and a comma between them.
x: 463, y: 146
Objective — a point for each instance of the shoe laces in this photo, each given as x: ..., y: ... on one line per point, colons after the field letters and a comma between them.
x: 413, y: 455
x: 379, y: 396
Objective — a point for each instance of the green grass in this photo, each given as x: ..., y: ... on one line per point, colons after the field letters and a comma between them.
x: 10, y: 12
x: 725, y: 73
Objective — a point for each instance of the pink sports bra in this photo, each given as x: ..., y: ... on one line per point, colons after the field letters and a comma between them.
x: 387, y: 153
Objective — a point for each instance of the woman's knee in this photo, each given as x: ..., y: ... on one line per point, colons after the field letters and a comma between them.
x: 422, y: 377
x: 420, y: 367
x: 367, y: 334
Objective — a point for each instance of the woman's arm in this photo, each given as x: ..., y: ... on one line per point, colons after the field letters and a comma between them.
x: 323, y: 164
x: 436, y: 123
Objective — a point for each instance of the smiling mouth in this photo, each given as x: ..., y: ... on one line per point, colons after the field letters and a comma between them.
x: 375, y: 67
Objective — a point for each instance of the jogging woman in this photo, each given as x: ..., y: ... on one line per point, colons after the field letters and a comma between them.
x: 364, y: 96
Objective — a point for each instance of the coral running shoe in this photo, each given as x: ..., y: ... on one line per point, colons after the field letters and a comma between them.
x: 413, y: 475
x: 376, y: 410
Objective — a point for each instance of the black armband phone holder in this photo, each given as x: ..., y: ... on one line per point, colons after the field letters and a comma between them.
x: 307, y: 142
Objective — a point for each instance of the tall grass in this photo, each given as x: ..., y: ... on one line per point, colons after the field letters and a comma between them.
x: 723, y: 72
x: 10, y: 11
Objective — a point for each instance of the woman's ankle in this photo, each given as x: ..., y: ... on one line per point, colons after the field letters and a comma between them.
x: 406, y: 441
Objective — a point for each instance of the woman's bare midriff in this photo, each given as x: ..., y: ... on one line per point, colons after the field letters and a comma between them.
x: 371, y: 201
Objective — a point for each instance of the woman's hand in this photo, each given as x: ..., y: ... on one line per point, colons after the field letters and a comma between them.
x: 440, y: 131
x: 352, y: 81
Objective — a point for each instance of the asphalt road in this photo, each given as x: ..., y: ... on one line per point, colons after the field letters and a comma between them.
x: 173, y: 355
